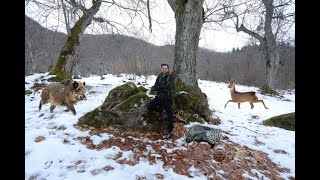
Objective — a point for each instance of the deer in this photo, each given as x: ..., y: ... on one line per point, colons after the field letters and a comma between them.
x: 241, y: 97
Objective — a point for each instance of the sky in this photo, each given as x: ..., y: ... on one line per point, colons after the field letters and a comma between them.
x: 53, y: 159
x: 163, y: 33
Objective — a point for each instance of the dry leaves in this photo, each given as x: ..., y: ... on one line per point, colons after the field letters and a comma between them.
x: 233, y: 159
x: 39, y: 139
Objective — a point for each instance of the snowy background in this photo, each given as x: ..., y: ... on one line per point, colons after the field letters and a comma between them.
x: 55, y: 150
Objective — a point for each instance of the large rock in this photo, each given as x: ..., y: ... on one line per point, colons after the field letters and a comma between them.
x: 285, y: 121
x: 125, y: 105
x: 193, y: 104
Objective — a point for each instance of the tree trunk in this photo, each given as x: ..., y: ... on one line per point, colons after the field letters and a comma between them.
x: 272, y: 59
x: 188, y: 26
x: 68, y: 52
x: 75, y: 69
x: 269, y: 46
x: 189, y: 21
x: 270, y: 50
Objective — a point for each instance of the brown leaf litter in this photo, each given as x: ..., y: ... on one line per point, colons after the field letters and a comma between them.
x: 233, y: 159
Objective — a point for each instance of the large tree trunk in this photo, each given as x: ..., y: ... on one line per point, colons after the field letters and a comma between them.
x: 269, y: 46
x: 272, y: 59
x: 75, y: 71
x: 270, y: 50
x: 68, y: 52
x: 189, y: 21
x: 188, y: 26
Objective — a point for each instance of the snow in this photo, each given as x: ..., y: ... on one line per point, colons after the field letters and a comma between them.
x: 54, y: 159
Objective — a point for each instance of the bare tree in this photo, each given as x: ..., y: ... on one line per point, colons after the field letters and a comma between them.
x: 275, y: 18
x: 68, y: 52
x: 189, y: 21
x: 190, y: 16
x: 131, y: 10
x: 34, y: 56
x: 32, y: 52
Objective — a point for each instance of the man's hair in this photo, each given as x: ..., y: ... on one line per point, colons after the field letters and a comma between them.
x: 165, y: 65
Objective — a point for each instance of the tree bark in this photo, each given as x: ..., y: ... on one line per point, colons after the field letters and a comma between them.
x: 189, y: 21
x: 268, y: 44
x: 271, y: 53
x: 68, y: 52
x: 188, y: 27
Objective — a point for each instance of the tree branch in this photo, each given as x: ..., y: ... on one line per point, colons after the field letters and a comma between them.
x: 244, y: 29
x: 149, y: 16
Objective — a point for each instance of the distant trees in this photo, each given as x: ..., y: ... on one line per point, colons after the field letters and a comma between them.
x: 272, y: 20
x: 67, y: 59
x: 32, y: 51
x: 34, y: 56
x: 130, y: 56
x: 68, y: 54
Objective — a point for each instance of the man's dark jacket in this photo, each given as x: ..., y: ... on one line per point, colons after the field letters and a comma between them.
x: 165, y: 86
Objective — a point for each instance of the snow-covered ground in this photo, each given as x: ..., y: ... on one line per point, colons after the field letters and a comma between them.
x: 54, y: 159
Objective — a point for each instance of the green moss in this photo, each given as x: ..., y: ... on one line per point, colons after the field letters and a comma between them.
x: 129, y: 103
x: 60, y: 76
x: 89, y: 119
x: 98, y: 118
x: 126, y: 86
x: 68, y: 50
x: 50, y: 68
x: 285, y: 121
x: 153, y: 123
x: 143, y: 89
x: 180, y: 6
x: 124, y: 91
x: 192, y: 101
x: 267, y: 90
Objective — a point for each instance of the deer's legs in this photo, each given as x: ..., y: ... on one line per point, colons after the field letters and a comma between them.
x: 238, y: 105
x: 228, y: 102
x: 251, y: 104
x: 262, y: 103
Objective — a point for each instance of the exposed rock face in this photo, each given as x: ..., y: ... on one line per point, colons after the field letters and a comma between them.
x: 125, y: 105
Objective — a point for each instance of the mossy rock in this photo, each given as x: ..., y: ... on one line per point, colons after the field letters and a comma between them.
x: 193, y: 103
x: 119, y: 94
x: 125, y: 105
x: 285, y: 121
x: 143, y: 89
